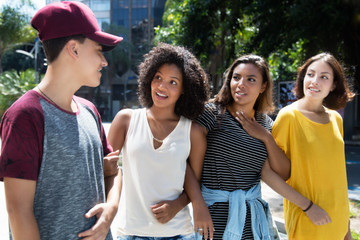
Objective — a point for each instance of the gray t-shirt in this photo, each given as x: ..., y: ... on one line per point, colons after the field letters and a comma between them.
x: 70, y: 179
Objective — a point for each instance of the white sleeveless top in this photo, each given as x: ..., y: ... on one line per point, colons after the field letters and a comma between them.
x: 151, y: 175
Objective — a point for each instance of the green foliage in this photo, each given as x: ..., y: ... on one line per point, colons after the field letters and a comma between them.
x: 207, y: 27
x: 14, y: 28
x: 285, y: 32
x: 355, y: 235
x: 324, y: 26
x: 173, y: 21
x: 215, y: 30
x: 14, y: 85
x: 284, y: 64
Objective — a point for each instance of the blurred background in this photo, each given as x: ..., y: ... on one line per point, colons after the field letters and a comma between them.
x: 285, y: 32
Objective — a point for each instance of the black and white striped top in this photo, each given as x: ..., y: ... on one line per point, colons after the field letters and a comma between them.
x: 233, y: 160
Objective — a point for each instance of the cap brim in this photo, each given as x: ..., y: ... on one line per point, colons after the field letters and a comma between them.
x: 107, y: 40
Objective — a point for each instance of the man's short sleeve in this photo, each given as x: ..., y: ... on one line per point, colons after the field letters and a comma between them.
x: 22, y: 134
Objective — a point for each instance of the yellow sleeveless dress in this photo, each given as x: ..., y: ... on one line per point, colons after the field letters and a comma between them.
x: 318, y: 172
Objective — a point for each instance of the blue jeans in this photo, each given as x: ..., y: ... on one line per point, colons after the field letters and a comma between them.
x: 177, y: 237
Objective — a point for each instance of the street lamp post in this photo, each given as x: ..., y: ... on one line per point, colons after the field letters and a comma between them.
x: 37, y: 73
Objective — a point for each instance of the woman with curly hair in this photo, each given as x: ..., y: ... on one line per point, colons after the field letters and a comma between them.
x: 157, y: 142
x: 310, y: 132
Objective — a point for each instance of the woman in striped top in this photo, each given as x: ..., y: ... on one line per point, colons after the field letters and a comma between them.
x: 239, y: 146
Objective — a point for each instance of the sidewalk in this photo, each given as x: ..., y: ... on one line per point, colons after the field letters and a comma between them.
x: 276, y: 206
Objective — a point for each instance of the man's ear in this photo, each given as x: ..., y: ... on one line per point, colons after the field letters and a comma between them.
x: 72, y: 47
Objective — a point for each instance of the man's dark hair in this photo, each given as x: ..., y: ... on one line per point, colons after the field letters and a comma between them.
x: 53, y: 47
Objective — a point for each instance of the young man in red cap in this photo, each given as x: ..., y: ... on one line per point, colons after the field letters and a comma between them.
x: 53, y: 143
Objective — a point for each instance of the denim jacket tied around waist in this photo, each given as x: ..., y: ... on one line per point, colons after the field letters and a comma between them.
x: 261, y: 221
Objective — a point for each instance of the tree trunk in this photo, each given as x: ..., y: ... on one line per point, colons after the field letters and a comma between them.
x: 1, y: 69
x: 217, y: 60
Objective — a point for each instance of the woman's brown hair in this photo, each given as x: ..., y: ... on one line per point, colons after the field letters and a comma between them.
x: 340, y: 95
x: 264, y: 103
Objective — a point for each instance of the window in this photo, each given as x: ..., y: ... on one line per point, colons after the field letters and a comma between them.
x: 100, y: 5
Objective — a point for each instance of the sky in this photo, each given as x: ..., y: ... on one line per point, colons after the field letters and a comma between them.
x: 38, y: 4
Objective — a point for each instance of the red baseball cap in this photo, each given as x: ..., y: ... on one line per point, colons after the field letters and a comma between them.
x: 68, y: 18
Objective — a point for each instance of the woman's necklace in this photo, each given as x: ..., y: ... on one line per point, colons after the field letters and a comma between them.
x: 158, y: 140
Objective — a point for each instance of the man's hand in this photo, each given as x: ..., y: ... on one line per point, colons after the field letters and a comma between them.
x: 111, y: 163
x: 105, y: 214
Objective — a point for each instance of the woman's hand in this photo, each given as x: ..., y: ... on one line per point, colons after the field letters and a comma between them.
x: 111, y: 167
x: 202, y: 220
x: 318, y: 215
x: 252, y: 127
x: 164, y: 211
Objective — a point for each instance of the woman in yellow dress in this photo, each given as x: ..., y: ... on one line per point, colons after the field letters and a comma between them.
x: 310, y: 132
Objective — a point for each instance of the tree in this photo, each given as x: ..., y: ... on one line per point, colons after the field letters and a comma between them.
x: 13, y: 85
x: 218, y: 31
x: 14, y: 29
x: 215, y: 31
x: 332, y: 26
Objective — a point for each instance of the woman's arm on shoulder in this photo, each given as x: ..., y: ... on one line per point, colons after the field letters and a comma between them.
x: 315, y: 213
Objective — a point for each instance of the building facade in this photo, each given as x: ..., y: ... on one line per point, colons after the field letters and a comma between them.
x: 136, y: 20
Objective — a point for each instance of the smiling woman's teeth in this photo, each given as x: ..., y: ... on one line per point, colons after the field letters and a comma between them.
x: 315, y: 90
x: 161, y: 95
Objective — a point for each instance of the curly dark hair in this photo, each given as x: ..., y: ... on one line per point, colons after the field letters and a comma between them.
x: 195, y: 81
x: 340, y: 95
x: 264, y: 103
